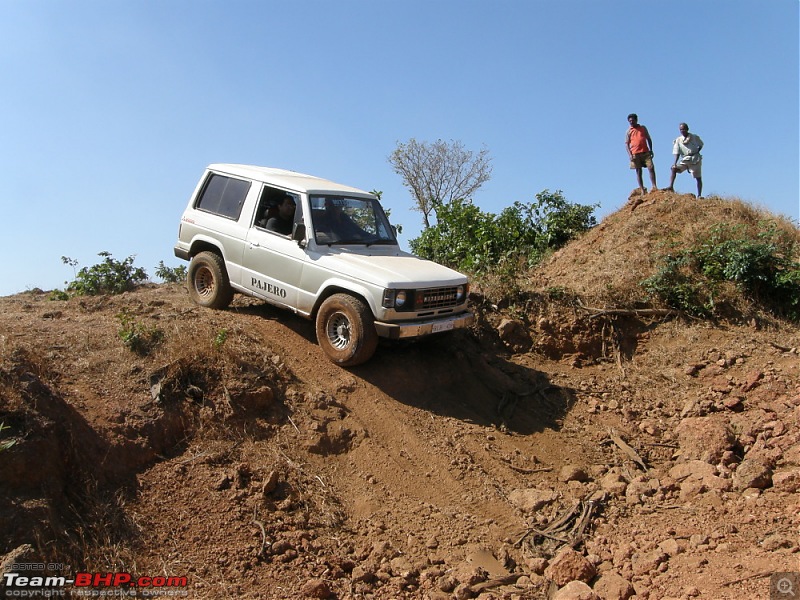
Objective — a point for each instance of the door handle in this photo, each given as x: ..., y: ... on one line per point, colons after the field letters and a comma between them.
x: 254, y: 244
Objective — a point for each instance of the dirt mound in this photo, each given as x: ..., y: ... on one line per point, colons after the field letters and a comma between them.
x: 606, y: 266
x: 545, y: 448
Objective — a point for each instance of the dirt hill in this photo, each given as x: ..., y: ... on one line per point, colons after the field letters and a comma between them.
x: 551, y: 445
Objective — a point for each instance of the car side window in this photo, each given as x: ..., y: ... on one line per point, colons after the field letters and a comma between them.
x: 269, y: 206
x: 223, y: 196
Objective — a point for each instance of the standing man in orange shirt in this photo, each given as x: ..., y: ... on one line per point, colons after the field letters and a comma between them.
x: 640, y: 151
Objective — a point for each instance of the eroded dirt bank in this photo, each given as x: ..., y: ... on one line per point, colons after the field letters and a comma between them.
x: 235, y: 454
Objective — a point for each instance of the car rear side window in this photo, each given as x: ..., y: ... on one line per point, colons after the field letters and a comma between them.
x: 224, y: 196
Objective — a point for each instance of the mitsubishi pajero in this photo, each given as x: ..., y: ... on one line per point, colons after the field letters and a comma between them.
x: 335, y: 259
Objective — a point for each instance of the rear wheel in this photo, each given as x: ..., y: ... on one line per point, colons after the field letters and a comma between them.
x: 209, y: 285
x: 346, y: 330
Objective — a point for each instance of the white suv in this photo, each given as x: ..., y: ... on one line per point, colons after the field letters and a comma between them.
x: 337, y: 261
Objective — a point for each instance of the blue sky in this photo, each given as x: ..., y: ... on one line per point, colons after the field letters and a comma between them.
x: 111, y: 109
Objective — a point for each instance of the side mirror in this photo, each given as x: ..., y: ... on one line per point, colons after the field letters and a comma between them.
x: 299, y: 234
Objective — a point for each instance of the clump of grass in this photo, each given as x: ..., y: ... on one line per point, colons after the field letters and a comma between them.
x: 220, y: 338
x: 58, y: 296
x: 5, y: 444
x: 138, y: 337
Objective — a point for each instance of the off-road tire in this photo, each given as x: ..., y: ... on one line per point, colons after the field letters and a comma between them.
x: 208, y: 281
x: 346, y: 330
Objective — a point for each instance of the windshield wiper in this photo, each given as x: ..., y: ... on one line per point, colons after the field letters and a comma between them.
x: 347, y: 241
x: 380, y: 241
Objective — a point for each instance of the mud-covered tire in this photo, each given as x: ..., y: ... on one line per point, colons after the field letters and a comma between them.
x: 346, y: 330
x: 208, y: 281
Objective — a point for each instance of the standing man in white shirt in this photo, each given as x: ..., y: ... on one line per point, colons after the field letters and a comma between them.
x: 686, y: 150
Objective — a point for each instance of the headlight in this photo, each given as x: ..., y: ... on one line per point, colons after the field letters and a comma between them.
x: 461, y: 292
x: 396, y: 299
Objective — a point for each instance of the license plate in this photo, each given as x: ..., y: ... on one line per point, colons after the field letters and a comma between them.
x: 446, y: 326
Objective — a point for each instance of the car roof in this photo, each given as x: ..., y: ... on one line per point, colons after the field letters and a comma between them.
x: 292, y: 180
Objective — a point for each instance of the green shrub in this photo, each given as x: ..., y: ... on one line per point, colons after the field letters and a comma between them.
x: 557, y: 220
x: 763, y: 267
x: 170, y: 274
x: 107, y: 277
x: 676, y: 286
x: 468, y: 239
x: 462, y: 238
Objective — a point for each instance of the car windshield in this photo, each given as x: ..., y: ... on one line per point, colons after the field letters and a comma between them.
x: 348, y: 220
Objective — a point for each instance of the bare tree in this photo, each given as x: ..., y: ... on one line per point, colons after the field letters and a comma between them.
x: 439, y: 172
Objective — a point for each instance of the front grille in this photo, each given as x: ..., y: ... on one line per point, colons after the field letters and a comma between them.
x: 436, y: 298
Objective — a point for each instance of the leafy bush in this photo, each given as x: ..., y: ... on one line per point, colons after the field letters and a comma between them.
x: 467, y: 239
x: 676, y: 286
x: 763, y: 267
x: 170, y: 274
x: 107, y: 277
x: 460, y: 239
x: 558, y: 220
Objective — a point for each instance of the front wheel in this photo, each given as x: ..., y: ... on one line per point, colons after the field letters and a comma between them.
x: 209, y: 285
x: 346, y: 330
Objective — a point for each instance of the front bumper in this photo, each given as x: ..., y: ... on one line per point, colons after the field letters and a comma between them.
x: 181, y: 252
x: 399, y: 331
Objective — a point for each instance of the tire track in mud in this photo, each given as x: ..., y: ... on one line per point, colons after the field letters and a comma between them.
x: 423, y: 462
x: 432, y: 413
x: 412, y: 450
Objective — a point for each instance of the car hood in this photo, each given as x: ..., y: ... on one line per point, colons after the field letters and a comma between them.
x: 388, y: 267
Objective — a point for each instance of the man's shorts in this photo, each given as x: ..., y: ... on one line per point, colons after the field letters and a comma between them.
x: 695, y: 170
x: 643, y: 159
